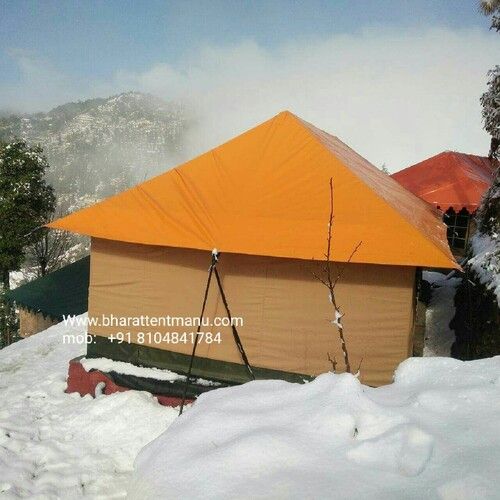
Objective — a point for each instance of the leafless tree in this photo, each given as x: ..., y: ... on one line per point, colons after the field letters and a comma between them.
x: 329, y: 279
x: 48, y: 249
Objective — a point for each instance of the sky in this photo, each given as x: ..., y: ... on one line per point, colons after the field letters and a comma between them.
x: 398, y: 80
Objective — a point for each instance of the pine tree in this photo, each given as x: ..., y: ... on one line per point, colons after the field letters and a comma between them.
x: 477, y: 318
x: 490, y: 101
x: 491, y: 8
x: 26, y: 201
x: 488, y: 216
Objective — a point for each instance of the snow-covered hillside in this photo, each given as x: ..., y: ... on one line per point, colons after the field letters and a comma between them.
x: 433, y: 433
x: 101, y: 146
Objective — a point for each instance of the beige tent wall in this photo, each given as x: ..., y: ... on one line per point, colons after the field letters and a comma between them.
x: 285, y: 310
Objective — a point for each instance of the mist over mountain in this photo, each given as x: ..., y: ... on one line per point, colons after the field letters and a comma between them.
x: 101, y: 146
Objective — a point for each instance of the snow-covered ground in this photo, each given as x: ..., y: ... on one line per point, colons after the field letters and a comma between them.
x: 434, y: 433
x: 18, y: 278
x: 440, y: 311
x: 57, y: 445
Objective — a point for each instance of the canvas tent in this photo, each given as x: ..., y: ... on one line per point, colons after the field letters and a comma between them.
x: 46, y: 300
x: 262, y: 199
x: 453, y: 183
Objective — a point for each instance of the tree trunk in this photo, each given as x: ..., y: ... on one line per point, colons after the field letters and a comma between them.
x: 43, y: 267
x: 5, y: 279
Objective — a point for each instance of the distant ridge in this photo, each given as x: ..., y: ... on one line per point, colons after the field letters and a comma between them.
x: 100, y: 146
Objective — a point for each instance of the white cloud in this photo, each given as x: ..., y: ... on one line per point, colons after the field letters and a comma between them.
x: 396, y: 97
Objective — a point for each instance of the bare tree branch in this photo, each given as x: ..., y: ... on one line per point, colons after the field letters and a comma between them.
x: 332, y: 361
x: 358, y: 371
x: 329, y: 282
x: 49, y: 248
x: 342, y: 269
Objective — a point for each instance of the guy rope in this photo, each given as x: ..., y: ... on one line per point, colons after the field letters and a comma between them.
x: 213, y: 270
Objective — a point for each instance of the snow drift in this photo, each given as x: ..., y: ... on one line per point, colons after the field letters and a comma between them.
x: 433, y: 433
x: 57, y: 445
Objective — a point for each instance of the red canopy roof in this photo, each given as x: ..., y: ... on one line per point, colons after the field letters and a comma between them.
x: 449, y: 179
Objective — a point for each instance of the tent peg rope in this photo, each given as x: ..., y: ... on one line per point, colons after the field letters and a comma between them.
x: 213, y: 270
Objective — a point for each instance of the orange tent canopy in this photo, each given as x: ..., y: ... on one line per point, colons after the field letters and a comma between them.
x: 449, y: 179
x: 266, y: 192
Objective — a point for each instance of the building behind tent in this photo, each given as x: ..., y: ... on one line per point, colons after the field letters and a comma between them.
x: 44, y: 301
x: 454, y: 184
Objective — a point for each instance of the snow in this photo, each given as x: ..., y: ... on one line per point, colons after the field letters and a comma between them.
x: 109, y: 365
x: 57, y: 445
x: 485, y: 261
x: 338, y: 317
x: 101, y: 146
x: 438, y: 335
x: 16, y: 279
x: 434, y: 433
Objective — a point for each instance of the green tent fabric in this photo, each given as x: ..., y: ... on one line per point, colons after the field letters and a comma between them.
x: 61, y: 293
x: 220, y: 371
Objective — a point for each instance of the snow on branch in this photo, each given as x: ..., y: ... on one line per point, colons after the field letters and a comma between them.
x: 330, y: 282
